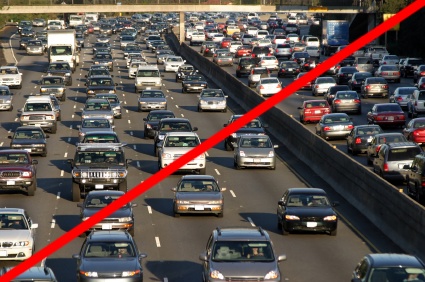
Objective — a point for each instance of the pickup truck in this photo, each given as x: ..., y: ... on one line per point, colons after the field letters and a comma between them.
x: 376, y: 53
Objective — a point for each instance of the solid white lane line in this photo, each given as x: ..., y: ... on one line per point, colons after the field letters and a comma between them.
x: 126, y: 111
x: 66, y: 155
x: 70, y: 127
x: 62, y: 172
x: 1, y: 144
x: 75, y: 106
x: 216, y: 171
x: 182, y: 115
x: 158, y: 244
x: 149, y: 210
x: 232, y: 193
x: 72, y: 116
x: 177, y: 106
x: 252, y: 222
x: 125, y: 102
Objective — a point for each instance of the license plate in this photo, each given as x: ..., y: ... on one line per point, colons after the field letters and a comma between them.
x: 28, y: 150
x: 199, y: 207
x: 369, y: 139
x: 339, y: 127
x: 390, y: 118
x: 350, y: 74
x: 3, y: 253
x: 311, y: 224
x: 290, y: 69
x: 317, y: 112
x: 10, y: 182
x: 256, y: 160
x: 106, y: 226
x: 213, y: 106
x: 98, y: 186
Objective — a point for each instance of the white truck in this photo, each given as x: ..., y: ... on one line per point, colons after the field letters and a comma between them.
x: 75, y: 20
x: 91, y: 18
x: 55, y: 24
x: 62, y: 46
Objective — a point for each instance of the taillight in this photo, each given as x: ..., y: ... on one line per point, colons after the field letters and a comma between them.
x: 290, y: 50
x: 341, y: 74
x: 261, y: 87
x: 337, y: 101
x: 368, y: 87
x: 350, y: 126
x: 354, y: 81
x: 399, y: 98
x: 279, y: 86
x: 263, y: 61
x: 384, y: 86
x: 417, y: 132
x: 384, y: 63
x: 377, y: 148
x: 422, y: 73
x: 384, y: 73
x: 357, y: 101
x: 326, y: 128
x: 386, y: 167
x: 358, y: 140
x: 422, y: 85
x: 207, y: 50
x: 317, y: 86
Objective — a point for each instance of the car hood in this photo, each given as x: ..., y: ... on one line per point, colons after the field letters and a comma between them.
x: 14, y: 167
x: 193, y: 81
x: 256, y: 151
x: 244, y: 269
x: 109, y: 264
x: 249, y: 130
x: 99, y: 166
x: 310, y: 211
x: 28, y: 141
x: 15, y: 235
x: 52, y: 86
x: 101, y: 87
x: 198, y: 196
x: 97, y: 113
x: 91, y: 129
x: 125, y: 212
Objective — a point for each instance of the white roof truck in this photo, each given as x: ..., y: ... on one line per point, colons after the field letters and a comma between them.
x: 62, y: 46
x: 75, y: 20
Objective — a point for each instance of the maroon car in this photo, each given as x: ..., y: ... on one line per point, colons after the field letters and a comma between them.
x: 386, y: 114
x: 415, y: 131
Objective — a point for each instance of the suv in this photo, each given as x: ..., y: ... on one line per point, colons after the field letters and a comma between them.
x: 416, y: 104
x: 148, y: 77
x: 109, y: 254
x: 176, y: 144
x: 10, y: 76
x: 98, y: 166
x: 39, y: 111
x: 53, y: 85
x: 16, y: 234
x: 415, y: 178
x: 244, y: 66
x: 409, y: 66
x: 61, y: 69
x: 170, y: 125
x: 392, y: 157
x: 240, y: 254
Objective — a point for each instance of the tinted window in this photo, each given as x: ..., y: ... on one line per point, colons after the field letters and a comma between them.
x: 400, y: 154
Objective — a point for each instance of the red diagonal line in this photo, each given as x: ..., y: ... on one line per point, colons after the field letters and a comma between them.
x: 213, y: 140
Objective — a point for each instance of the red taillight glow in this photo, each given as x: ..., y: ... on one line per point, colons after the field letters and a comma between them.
x: 357, y: 101
x: 358, y: 140
x: 399, y: 99
x: 337, y: 101
x: 350, y: 126
x: 377, y: 148
x: 386, y: 167
x: 326, y: 128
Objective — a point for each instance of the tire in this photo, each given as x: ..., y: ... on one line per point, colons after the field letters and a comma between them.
x: 203, y: 171
x: 63, y: 98
x: 238, y: 75
x: 333, y: 232
x: 155, y: 151
x: 76, y: 193
x: 19, y: 86
x: 54, y: 129
x: 131, y: 232
x: 227, y: 146
x: 123, y: 186
x: 31, y: 189
x: 199, y: 109
x: 183, y: 91
x: 11, y: 108
x: 220, y: 215
x: 279, y: 224
x: 284, y: 232
x: 176, y: 214
x: 225, y: 110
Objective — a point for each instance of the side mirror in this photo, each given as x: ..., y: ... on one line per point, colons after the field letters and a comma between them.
x: 203, y: 256
x: 174, y: 189
x: 223, y: 189
x: 195, y: 129
x: 145, y: 119
x: 280, y: 203
x: 70, y: 161
x: 34, y: 162
x: 76, y: 256
x: 281, y: 258
x: 80, y: 205
x: 128, y: 161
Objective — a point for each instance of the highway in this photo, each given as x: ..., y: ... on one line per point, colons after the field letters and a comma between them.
x: 173, y: 244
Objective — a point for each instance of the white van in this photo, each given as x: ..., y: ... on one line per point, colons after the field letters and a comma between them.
x: 312, y: 41
x: 147, y: 77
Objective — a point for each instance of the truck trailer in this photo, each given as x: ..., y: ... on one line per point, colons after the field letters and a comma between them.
x: 62, y: 46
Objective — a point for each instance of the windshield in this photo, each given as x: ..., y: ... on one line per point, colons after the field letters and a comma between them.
x: 109, y: 249
x: 100, y: 81
x: 13, y: 158
x: 12, y: 221
x: 212, y: 93
x: 157, y: 117
x: 398, y: 274
x: 97, y: 106
x: 39, y: 107
x: 198, y: 185
x: 50, y: 81
x: 28, y: 134
x: 308, y: 200
x: 100, y: 138
x: 95, y: 123
x: 260, y: 251
x: 148, y: 73
x: 255, y: 142
x: 152, y: 94
x: 61, y: 50
x: 99, y: 157
x: 182, y: 141
x: 101, y: 201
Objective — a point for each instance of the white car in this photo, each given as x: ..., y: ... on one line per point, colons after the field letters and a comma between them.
x: 269, y: 62
x: 312, y: 41
x: 218, y: 37
x: 10, y: 76
x: 292, y: 20
x: 172, y: 63
x: 234, y: 45
x: 389, y: 60
x: 17, y: 233
x: 264, y: 42
x: 322, y: 84
x: 268, y: 86
x: 292, y: 37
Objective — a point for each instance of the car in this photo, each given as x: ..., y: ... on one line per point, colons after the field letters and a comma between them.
x: 386, y: 114
x: 322, y: 84
x: 198, y: 194
x: 172, y: 63
x: 360, y: 136
x: 410, y: 65
x: 104, y: 38
x: 132, y: 49
x: 389, y: 72
x: 151, y: 100
x: 344, y: 74
x: 255, y: 126
x: 109, y: 253
x: 97, y: 45
x: 308, y: 85
x: 268, y: 86
x: 93, y: 125
x: 39, y: 22
x: 61, y: 68
x: 330, y: 94
x: 389, y: 267
x: 121, y: 219
x: 256, y: 74
x: 307, y: 210
x: 10, y: 76
x: 416, y: 103
x: 313, y: 51
x: 53, y: 85
x: 269, y: 62
x: 414, y: 178
x: 313, y: 110
x: 99, y: 136
x: 212, y: 100
x: 114, y: 101
x: 104, y: 58
x: 261, y: 51
x: 288, y: 68
x: 243, y: 51
x: 232, y: 253
x: 374, y: 86
x: 334, y: 126
x: 391, y: 158
x: 389, y: 60
x: 383, y: 138
x: 418, y: 73
x: 244, y: 66
x: 28, y: 32
x: 31, y: 139
x: 176, y: 144
x: 194, y: 83
x: 223, y: 58
x: 364, y: 64
x: 415, y: 131
x: 208, y: 48
x: 126, y: 39
x: 97, y: 70
x: 254, y: 151
x: 35, y: 47
x: 6, y: 98
x: 283, y: 50
x: 184, y: 70
x: 39, y: 111
x: 23, y: 42
x: 346, y: 101
x: 356, y: 80
x: 297, y: 46
x: 35, y: 273
x: 17, y: 234
x: 152, y: 120
x: 100, y: 84
x: 98, y: 108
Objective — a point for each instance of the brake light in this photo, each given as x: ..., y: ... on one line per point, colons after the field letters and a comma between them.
x: 422, y: 85
x: 350, y: 126
x: 358, y: 140
x: 290, y: 50
x: 337, y: 101
x: 207, y: 50
x: 417, y: 132
x: 384, y: 73
x: 377, y: 148
x: 263, y: 61
x: 384, y: 86
x: 368, y: 87
x: 386, y: 167
x: 422, y: 73
x: 317, y: 86
x: 357, y: 101
x: 384, y: 63
x: 399, y: 98
x: 279, y: 86
x: 354, y: 81
x: 341, y: 74
x: 261, y: 87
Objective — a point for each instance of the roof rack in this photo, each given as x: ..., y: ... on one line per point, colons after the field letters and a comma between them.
x: 261, y: 230
x: 218, y: 230
x: 91, y: 146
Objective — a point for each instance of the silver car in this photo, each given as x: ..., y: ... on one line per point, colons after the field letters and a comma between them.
x: 198, y: 194
x: 151, y: 100
x: 98, y: 108
x: 92, y: 125
x: 114, y: 101
x: 389, y: 72
x: 254, y: 151
x: 212, y: 100
x: 283, y: 50
x: 322, y: 84
x: 6, y: 98
x: 335, y: 125
x: 256, y: 74
x: 35, y: 47
x: 401, y: 95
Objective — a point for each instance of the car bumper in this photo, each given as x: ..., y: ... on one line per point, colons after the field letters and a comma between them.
x: 213, y: 107
x: 192, y: 165
x: 377, y: 94
x: 122, y: 226
x: 149, y: 107
x: 32, y: 150
x: 256, y: 162
x: 43, y: 124
x: 346, y: 108
x: 193, y: 88
x: 315, y: 226
x: 390, y: 123
x: 192, y: 208
x: 336, y: 134
x: 103, y: 279
x: 15, y: 253
x: 5, y: 106
x: 15, y: 184
x: 144, y: 87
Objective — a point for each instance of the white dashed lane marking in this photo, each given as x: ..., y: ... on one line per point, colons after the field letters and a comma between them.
x: 158, y: 244
x: 216, y: 171
x: 232, y: 193
x: 149, y: 210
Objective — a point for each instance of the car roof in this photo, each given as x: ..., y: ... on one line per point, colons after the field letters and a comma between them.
x: 174, y: 120
x: 106, y: 192
x: 35, y: 273
x: 306, y: 191
x: 401, y: 144
x: 241, y: 234
x: 197, y: 177
x: 382, y: 260
x: 26, y: 127
x: 115, y: 235
x: 12, y: 210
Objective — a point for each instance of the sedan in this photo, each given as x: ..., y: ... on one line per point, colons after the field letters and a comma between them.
x: 313, y: 110
x: 152, y: 120
x: 344, y: 74
x: 389, y: 72
x: 322, y: 84
x: 335, y: 125
x: 386, y: 114
x: 35, y: 47
x: 194, y: 83
x: 212, y: 100
x: 418, y: 73
x: 172, y: 63
x: 288, y: 68
x: 254, y: 151
x: 184, y: 70
x: 268, y: 86
x: 93, y: 125
x: 374, y: 86
x: 357, y: 79
x: 31, y: 139
x: 383, y: 138
x: 104, y: 58
x: 308, y: 210
x: 401, y: 95
x: 308, y: 85
x: 330, y: 94
x: 360, y: 137
x: 415, y: 131
x: 151, y: 100
x: 313, y: 51
x: 421, y: 83
x: 223, y: 58
x: 269, y: 62
x: 198, y: 194
x: 347, y: 101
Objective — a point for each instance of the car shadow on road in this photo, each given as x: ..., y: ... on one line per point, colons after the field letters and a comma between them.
x: 66, y: 222
x: 161, y: 205
x: 189, y: 108
x: 173, y: 270
x: 267, y: 221
x: 63, y: 274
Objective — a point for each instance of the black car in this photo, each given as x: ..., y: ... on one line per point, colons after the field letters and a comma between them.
x: 288, y: 68
x: 152, y: 120
x: 347, y: 61
x: 306, y: 209
x: 330, y: 94
x: 292, y: 28
x: 121, y: 219
x: 107, y: 254
x: 61, y: 69
x: 184, y: 70
x: 101, y: 137
x: 360, y: 137
x: 303, y: 59
x: 344, y: 74
x: 356, y: 80
x: 261, y: 51
x: 409, y: 66
x: 97, y: 70
x: 100, y: 84
x: 97, y: 45
x: 253, y: 127
x: 244, y: 66
x: 23, y: 42
x: 104, y: 58
x: 209, y: 49
x: 194, y: 83
x: 31, y: 139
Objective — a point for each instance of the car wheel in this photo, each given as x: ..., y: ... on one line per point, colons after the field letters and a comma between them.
x: 76, y: 193
x: 220, y: 215
x: 333, y: 232
x: 203, y: 171
x: 123, y: 186
x: 279, y: 224
x: 11, y: 108
x: 225, y: 110
x: 54, y: 129
x: 131, y: 232
x: 227, y: 146
x: 183, y: 90
x: 238, y: 167
x: 176, y: 214
x: 31, y: 189
x: 19, y: 86
x: 284, y: 231
x: 199, y: 109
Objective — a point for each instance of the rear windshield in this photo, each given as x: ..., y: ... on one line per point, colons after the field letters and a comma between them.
x: 401, y: 154
x: 365, y: 60
x: 421, y: 96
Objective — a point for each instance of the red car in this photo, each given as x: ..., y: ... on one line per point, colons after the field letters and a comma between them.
x: 221, y: 26
x: 387, y: 114
x: 225, y: 43
x: 313, y: 110
x: 243, y: 51
x: 90, y: 28
x: 415, y: 131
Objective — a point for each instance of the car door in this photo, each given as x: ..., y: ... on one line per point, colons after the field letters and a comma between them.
x: 350, y: 139
x: 380, y: 159
x: 281, y: 208
x: 206, y: 263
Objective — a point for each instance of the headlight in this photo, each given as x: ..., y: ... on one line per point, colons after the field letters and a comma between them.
x: 330, y: 218
x: 142, y: 102
x: 222, y: 102
x: 26, y: 174
x: 112, y: 91
x: 203, y: 102
x: 163, y: 103
x: 218, y: 202
x: 39, y: 145
x: 8, y: 102
x: 234, y: 135
x: 43, y: 90
x: 167, y: 156
x: 161, y: 137
x: 183, y: 202
x: 61, y: 89
x: 215, y: 274
x: 21, y: 243
x: 291, y: 217
x: 49, y: 117
x: 271, y: 275
x: 125, y: 219
x: 188, y: 84
x: 85, y: 116
x: 90, y: 91
x: 242, y: 153
x: 130, y: 273
x: 67, y: 74
x: 84, y: 174
x: 271, y: 154
x: 76, y: 174
x: 89, y: 273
